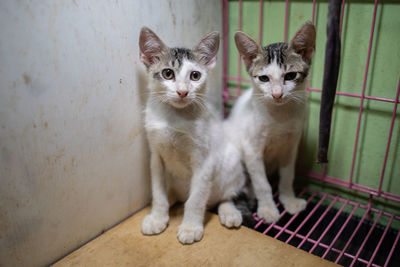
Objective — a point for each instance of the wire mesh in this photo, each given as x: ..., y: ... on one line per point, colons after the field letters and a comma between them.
x: 330, y: 228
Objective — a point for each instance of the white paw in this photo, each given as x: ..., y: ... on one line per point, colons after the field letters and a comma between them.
x: 188, y: 234
x: 153, y: 225
x: 230, y: 218
x: 293, y: 205
x: 269, y: 213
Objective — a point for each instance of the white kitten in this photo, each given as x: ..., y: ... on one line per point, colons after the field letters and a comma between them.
x: 267, y: 121
x: 191, y: 160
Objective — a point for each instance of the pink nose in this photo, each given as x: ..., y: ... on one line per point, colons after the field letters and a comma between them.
x: 277, y: 95
x: 182, y: 94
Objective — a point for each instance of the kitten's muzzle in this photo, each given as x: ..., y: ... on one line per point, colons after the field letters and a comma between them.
x: 276, y: 91
x: 277, y: 95
x: 182, y: 93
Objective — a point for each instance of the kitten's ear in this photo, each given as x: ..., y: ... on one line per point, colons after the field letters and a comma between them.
x: 248, y: 48
x: 303, y: 41
x: 207, y: 49
x: 150, y: 46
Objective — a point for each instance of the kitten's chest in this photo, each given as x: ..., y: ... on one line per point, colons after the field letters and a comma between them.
x: 174, y: 143
x: 280, y: 142
x: 171, y: 143
x: 174, y: 146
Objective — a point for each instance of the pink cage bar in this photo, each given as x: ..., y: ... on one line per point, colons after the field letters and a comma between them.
x: 327, y: 241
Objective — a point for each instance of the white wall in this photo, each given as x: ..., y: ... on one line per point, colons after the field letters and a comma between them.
x: 73, y: 154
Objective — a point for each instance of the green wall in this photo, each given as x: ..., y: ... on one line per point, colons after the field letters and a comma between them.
x: 383, y: 77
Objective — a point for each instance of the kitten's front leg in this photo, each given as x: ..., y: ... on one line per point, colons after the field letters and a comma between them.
x: 191, y: 228
x: 287, y: 197
x: 157, y: 220
x: 266, y: 206
x: 229, y: 215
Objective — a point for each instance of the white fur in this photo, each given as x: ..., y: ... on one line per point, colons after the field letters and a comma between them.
x: 267, y: 131
x: 191, y: 160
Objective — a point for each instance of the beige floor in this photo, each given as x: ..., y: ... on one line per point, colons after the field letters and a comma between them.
x: 124, y: 245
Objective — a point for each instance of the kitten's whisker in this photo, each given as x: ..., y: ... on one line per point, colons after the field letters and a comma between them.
x: 199, y: 102
x: 297, y: 99
x: 152, y: 93
x: 201, y: 94
x: 159, y: 98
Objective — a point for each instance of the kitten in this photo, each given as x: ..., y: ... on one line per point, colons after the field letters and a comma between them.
x: 191, y: 160
x: 267, y: 120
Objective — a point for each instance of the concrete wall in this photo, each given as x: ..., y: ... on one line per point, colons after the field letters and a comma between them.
x: 73, y: 154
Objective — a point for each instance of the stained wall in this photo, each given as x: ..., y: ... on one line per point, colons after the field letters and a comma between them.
x: 74, y: 158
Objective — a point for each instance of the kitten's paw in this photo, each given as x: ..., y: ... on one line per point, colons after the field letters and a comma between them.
x: 269, y: 213
x: 188, y: 234
x: 293, y: 205
x: 153, y: 225
x: 230, y: 218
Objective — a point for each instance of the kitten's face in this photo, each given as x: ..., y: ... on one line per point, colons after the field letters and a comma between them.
x: 178, y: 74
x: 179, y: 79
x: 279, y: 70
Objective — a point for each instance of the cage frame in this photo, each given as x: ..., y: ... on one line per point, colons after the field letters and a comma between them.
x: 349, y: 183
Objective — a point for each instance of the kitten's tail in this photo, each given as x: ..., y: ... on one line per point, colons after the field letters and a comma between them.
x: 246, y: 202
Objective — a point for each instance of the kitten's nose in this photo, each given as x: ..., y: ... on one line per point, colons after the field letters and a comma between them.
x: 182, y: 94
x: 277, y: 95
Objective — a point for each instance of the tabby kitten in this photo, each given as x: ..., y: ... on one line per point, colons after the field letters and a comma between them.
x: 191, y: 159
x: 267, y: 120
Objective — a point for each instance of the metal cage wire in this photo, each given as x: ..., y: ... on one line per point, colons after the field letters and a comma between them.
x: 330, y: 249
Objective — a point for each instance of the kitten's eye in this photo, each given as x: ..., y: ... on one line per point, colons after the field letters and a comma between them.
x: 168, y: 74
x: 263, y: 78
x: 195, y: 75
x: 290, y: 76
